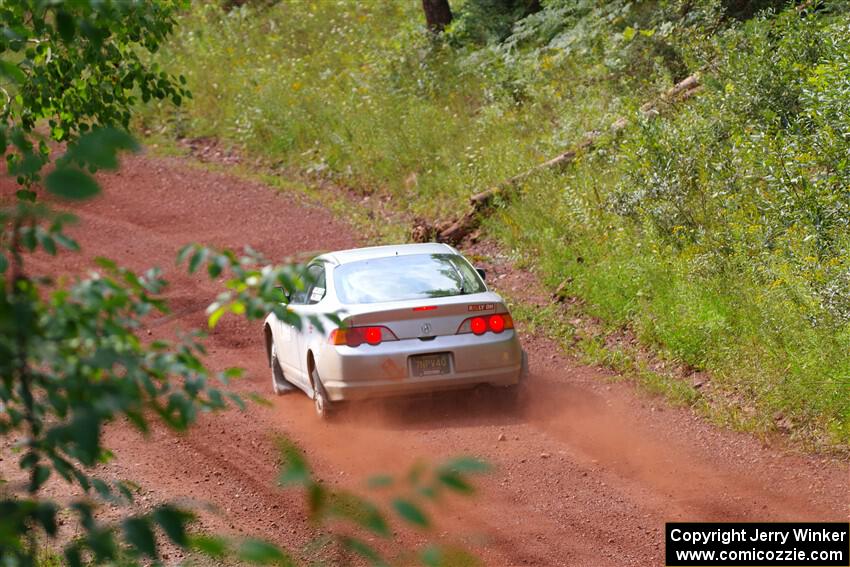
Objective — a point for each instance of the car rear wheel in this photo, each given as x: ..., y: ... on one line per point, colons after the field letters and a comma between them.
x: 279, y: 383
x: 324, y: 407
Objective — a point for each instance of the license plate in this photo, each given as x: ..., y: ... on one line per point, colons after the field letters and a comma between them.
x: 430, y: 364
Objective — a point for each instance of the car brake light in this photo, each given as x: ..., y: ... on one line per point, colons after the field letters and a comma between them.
x: 480, y: 325
x: 425, y: 308
x: 372, y: 335
x: 356, y: 336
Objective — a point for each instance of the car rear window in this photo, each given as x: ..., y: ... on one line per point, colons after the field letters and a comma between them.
x: 399, y: 278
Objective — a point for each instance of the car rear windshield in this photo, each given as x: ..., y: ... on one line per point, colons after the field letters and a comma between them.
x: 399, y: 278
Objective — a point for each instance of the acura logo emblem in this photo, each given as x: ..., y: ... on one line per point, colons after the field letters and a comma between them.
x: 426, y: 329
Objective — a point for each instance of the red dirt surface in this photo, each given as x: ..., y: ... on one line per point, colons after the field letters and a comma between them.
x: 586, y: 472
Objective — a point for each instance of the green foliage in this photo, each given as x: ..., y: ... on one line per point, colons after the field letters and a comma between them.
x: 488, y: 21
x: 408, y: 501
x: 76, y: 62
x: 80, y: 67
x: 757, y: 168
x: 255, y: 287
x: 71, y: 356
x: 262, y: 553
x: 638, y: 41
x: 356, y: 92
x: 361, y: 94
x: 744, y: 9
x: 716, y: 231
x: 71, y: 361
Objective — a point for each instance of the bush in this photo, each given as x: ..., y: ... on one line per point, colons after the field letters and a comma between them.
x: 722, y: 236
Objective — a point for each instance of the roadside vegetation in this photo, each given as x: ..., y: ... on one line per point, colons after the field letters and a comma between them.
x: 715, y: 232
x: 73, y: 359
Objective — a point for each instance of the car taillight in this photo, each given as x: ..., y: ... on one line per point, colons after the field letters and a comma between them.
x: 480, y: 325
x: 356, y: 336
x: 372, y: 335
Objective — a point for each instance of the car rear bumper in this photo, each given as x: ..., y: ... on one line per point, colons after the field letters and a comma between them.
x: 385, y: 370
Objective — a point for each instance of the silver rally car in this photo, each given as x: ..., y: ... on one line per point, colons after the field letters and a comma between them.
x: 414, y: 318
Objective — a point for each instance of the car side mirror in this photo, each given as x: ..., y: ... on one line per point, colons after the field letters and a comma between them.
x: 283, y: 294
x: 481, y: 273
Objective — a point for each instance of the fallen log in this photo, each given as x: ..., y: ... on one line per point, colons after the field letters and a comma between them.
x: 480, y: 204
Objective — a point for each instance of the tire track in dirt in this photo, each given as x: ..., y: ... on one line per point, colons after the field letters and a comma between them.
x: 586, y: 473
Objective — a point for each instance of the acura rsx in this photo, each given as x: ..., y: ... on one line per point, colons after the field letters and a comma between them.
x: 413, y: 319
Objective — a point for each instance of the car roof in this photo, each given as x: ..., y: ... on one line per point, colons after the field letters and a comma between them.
x: 371, y: 252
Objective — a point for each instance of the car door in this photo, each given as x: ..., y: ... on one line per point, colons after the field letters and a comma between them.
x: 304, y: 303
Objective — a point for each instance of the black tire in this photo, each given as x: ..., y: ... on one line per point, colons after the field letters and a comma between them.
x: 324, y: 407
x: 280, y: 385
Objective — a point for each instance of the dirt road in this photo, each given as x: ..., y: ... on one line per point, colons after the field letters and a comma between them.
x: 587, y: 472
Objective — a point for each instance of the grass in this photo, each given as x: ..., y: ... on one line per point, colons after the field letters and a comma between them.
x: 713, y: 234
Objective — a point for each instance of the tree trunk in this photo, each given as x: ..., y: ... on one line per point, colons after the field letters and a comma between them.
x: 438, y: 14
